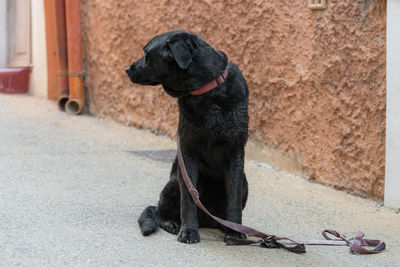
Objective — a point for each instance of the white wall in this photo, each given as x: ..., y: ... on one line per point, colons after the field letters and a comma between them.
x: 38, y: 81
x: 392, y: 179
x: 3, y: 34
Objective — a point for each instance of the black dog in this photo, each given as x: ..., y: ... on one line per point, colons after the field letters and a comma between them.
x: 213, y: 128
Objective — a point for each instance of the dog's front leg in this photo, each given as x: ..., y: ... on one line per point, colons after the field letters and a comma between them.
x: 189, y: 232
x: 233, y: 186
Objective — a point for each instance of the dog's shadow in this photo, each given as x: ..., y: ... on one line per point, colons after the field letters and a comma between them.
x: 166, y: 155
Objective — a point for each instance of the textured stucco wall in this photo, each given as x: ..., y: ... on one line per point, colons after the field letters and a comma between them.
x: 317, y: 78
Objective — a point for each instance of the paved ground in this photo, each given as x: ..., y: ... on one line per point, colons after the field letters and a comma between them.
x: 71, y: 189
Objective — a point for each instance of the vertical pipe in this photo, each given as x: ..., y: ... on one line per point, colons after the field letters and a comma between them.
x: 51, y: 49
x: 76, y: 92
x: 62, y: 53
x: 57, y: 80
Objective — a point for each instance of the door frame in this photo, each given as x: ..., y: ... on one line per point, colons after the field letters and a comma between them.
x: 19, y: 37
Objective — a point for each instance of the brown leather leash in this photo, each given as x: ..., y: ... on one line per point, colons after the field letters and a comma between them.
x: 271, y: 241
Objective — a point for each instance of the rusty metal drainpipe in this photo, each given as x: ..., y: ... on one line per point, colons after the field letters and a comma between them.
x: 62, y: 53
x: 76, y: 100
x: 53, y: 49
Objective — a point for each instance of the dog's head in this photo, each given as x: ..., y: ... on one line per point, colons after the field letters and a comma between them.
x: 180, y: 61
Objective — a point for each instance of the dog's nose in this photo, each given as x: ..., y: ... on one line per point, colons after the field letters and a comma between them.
x: 127, y: 70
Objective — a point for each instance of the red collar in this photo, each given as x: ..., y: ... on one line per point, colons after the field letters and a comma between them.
x: 211, y: 85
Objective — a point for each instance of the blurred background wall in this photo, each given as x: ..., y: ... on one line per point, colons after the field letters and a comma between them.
x: 22, y: 41
x: 3, y: 34
x: 38, y: 81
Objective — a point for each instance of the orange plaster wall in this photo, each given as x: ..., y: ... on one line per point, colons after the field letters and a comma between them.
x: 317, y: 78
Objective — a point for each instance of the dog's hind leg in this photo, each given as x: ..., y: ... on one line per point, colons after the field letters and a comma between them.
x: 169, y: 207
x: 169, y: 204
x: 172, y: 227
x: 167, y: 214
x: 169, y: 217
x: 148, y: 220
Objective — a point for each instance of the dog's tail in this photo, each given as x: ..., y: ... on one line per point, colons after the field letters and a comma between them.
x: 148, y: 220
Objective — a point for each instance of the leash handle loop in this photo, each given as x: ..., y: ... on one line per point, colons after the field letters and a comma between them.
x: 356, y: 243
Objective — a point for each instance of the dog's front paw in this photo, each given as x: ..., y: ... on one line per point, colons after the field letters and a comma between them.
x: 235, y: 235
x: 189, y: 236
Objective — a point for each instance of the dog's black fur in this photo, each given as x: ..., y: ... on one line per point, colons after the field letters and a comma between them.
x: 213, y: 130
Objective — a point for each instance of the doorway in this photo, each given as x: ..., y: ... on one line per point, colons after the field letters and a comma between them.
x: 19, y: 33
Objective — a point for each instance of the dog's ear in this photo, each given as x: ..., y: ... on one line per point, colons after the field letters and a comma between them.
x: 180, y: 52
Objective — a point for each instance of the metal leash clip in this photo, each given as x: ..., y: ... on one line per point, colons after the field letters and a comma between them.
x: 269, y: 242
x: 349, y: 240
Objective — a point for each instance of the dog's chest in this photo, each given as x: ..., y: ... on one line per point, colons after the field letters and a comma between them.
x: 215, y: 128
x: 214, y: 115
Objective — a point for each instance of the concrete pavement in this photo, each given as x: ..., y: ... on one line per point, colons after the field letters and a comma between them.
x: 72, y: 188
